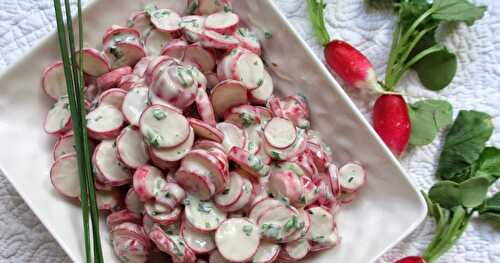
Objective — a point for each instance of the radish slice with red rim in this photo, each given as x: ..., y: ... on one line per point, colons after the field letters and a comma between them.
x: 196, y: 182
x: 163, y: 127
x: 203, y: 215
x: 297, y: 147
x: 170, y: 195
x: 105, y: 122
x: 204, y: 107
x: 148, y: 182
x: 207, y: 7
x: 232, y: 192
x: 108, y: 200
x: 303, y: 227
x: 310, y: 195
x: 200, y: 57
x: 108, y: 167
x: 237, y: 239
x: 262, y: 206
x: 132, y: 150
x: 333, y: 177
x: 141, y: 66
x: 113, y: 97
x: 209, y: 165
x: 263, y: 93
x: 228, y: 94
x: 222, y: 22
x: 129, y: 249
x: 172, y: 245
x: 279, y: 223
x: 280, y: 133
x: 248, y: 40
x: 199, y: 242
x: 286, y: 184
x: 243, y: 116
x: 112, y: 78
x: 249, y: 69
x: 192, y: 27
x: 352, y: 177
x: 134, y: 103
x: 175, y: 49
x: 94, y: 63
x: 176, y: 153
x: 130, y: 81
x: 179, y: 6
x: 248, y: 162
x: 212, y: 39
x: 53, y: 83
x: 155, y: 41
x: 216, y: 257
x: 322, y: 225
x: 162, y: 214
x: 140, y: 21
x: 123, y: 54
x: 233, y: 136
x: 64, y: 176
x: 266, y: 253
x: 165, y: 20
x: 206, y: 131
x: 122, y: 216
x: 244, y: 198
x: 64, y: 145
x: 325, y: 243
x: 133, y: 202
x: 295, y: 250
x: 58, y: 120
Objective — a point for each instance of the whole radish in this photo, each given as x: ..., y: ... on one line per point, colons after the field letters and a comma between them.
x: 392, y: 122
x: 412, y: 259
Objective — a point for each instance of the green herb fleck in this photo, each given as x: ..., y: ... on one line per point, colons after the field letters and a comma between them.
x: 303, y: 199
x: 117, y: 53
x: 130, y: 23
x: 268, y: 35
x: 247, y: 230
x: 275, y: 155
x: 260, y: 82
x: 226, y: 191
x: 291, y: 223
x: 247, y: 119
x: 159, y: 114
x: 205, y: 207
x: 227, y: 9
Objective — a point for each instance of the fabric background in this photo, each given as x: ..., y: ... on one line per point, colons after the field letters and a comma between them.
x: 476, y: 86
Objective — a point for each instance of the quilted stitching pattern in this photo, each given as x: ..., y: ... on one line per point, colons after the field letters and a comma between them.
x: 476, y: 86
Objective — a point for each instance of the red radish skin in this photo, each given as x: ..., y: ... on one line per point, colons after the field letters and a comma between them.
x: 123, y: 216
x: 392, y: 122
x: 112, y: 78
x: 351, y: 65
x: 413, y: 259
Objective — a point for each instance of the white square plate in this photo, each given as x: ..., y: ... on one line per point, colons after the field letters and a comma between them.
x: 387, y: 209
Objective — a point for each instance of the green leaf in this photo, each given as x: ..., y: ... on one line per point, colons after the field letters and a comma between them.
x: 446, y: 194
x: 492, y: 204
x: 489, y: 163
x: 427, y: 117
x: 409, y: 11
x: 436, y: 70
x: 473, y: 191
x: 463, y: 145
x: 457, y: 11
x: 316, y: 9
x: 494, y: 216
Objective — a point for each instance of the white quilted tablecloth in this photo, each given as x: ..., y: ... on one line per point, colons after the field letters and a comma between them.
x: 476, y: 86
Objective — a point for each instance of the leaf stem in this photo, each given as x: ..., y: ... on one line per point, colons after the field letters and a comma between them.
x: 393, y: 54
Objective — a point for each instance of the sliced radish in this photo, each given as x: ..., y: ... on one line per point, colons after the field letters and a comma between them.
x: 204, y: 107
x: 296, y: 109
x: 155, y: 41
x: 113, y: 97
x: 232, y: 192
x: 203, y: 215
x: 249, y: 69
x: 263, y: 206
x: 108, y: 200
x: 195, y: 181
x: 123, y: 54
x: 134, y: 103
x: 228, y: 94
x: 243, y: 115
x: 133, y: 202
x: 244, y: 199
x: 140, y: 21
x: 132, y: 150
x: 108, y: 167
x: 212, y: 39
x: 233, y: 135
x: 216, y: 257
x: 310, y: 195
x: 105, y: 122
x: 175, y: 83
x: 192, y: 27
x: 53, y: 81
x: 297, y: 147
x: 94, y: 63
x: 64, y: 145
x: 130, y: 249
x: 222, y: 22
x: 352, y: 177
x: 206, y: 131
x: 265, y: 114
x: 165, y: 20
x: 112, y: 78
x: 237, y: 239
x: 172, y: 245
x: 162, y: 214
x: 171, y: 195
x: 179, y: 6
x: 254, y: 140
x: 263, y: 93
x: 120, y: 34
x: 250, y: 163
x: 154, y: 65
x: 224, y: 66
x: 141, y: 66
x: 322, y: 225
x: 286, y: 184
x: 319, y: 157
x: 295, y: 250
x: 163, y: 127
x: 303, y: 227
x: 175, y: 49
x: 280, y: 133
x: 266, y: 253
x: 333, y: 179
x: 326, y: 243
x: 148, y: 182
x: 207, y: 7
x: 176, y: 153
x: 208, y: 165
x: 207, y: 145
x: 279, y: 223
x: 58, y: 120
x: 248, y: 40
x: 200, y: 57
x: 64, y: 176
x: 199, y: 242
x: 122, y: 216
x: 129, y: 229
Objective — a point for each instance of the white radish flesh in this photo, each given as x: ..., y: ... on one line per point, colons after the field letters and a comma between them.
x: 170, y: 195
x: 108, y: 200
x: 131, y: 148
x: 141, y: 66
x: 53, y: 81
x: 212, y: 39
x: 113, y: 97
x: 94, y: 63
x: 192, y: 27
x: 280, y: 133
x: 175, y: 49
x: 233, y: 136
x: 199, y: 242
x: 134, y: 103
x: 243, y: 116
x: 58, y: 120
x: 176, y: 153
x: 249, y: 162
x: 295, y: 250
x: 208, y: 165
x: 156, y: 41
x: 244, y: 198
x: 248, y: 40
x: 249, y: 69
x: 204, y: 107
x: 237, y: 239
x: 279, y: 223
x: 64, y: 145
x: 163, y: 127
x: 207, y: 7
x: 297, y: 147
x: 216, y: 257
x: 262, y: 206
x: 200, y: 57
x: 286, y: 184
x: 172, y: 245
x: 203, y: 130
x: 140, y: 21
x: 64, y: 176
x: 165, y: 20
x: 203, y: 215
x: 195, y: 181
x: 104, y: 122
x: 148, y: 182
x: 232, y: 193
x: 263, y: 93
x: 162, y: 214
x: 322, y: 224
x: 228, y: 94
x: 352, y: 177
x: 133, y: 202
x: 179, y: 6
x: 124, y: 54
x: 222, y: 22
x: 122, y: 216
x: 108, y: 167
x: 266, y: 253
x: 112, y: 78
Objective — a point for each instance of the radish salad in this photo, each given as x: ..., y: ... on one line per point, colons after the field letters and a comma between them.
x: 193, y: 155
